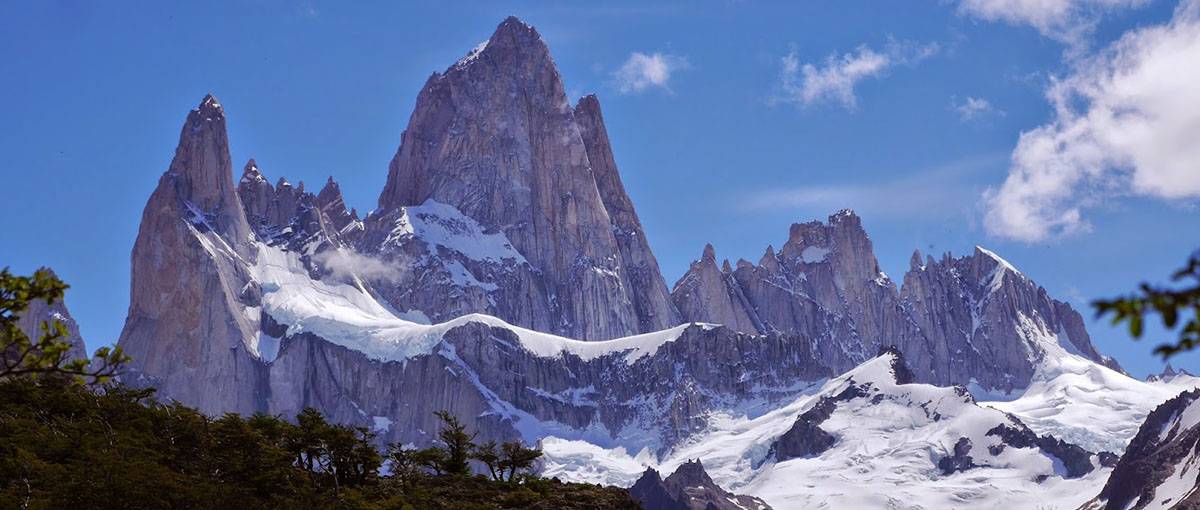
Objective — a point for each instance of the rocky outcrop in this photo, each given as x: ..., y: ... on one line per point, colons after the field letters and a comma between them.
x: 39, y: 311
x: 1169, y: 374
x: 494, y: 138
x: 329, y: 201
x: 806, y: 438
x: 688, y: 488
x: 823, y: 284
x: 289, y: 216
x: 708, y: 294
x: 186, y: 330
x: 974, y: 319
x: 648, y: 291
x: 984, y: 320
x: 1161, y: 466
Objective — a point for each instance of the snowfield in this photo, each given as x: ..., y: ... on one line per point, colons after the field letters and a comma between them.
x: 348, y: 315
x: 885, y: 456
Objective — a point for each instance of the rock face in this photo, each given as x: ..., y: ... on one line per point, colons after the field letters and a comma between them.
x: 708, y: 294
x: 688, y: 488
x: 974, y: 319
x: 186, y: 331
x: 981, y: 318
x: 494, y: 139
x: 30, y: 323
x: 1161, y: 466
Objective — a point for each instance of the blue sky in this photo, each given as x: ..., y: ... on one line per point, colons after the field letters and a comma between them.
x: 738, y: 119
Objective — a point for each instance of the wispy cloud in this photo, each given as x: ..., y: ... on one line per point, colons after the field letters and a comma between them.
x: 835, y: 79
x: 345, y: 264
x: 1126, y: 122
x: 952, y: 187
x: 641, y: 71
x: 974, y: 108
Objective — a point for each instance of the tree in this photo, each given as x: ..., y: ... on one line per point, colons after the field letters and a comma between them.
x: 1173, y: 305
x: 49, y: 354
x: 458, y: 444
x: 490, y: 457
x: 432, y: 458
x: 406, y: 465
x: 515, y: 457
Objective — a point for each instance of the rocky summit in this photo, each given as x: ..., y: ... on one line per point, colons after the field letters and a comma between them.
x: 505, y: 277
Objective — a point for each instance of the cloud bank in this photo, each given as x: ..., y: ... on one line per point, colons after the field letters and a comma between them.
x: 1067, y: 21
x: 1126, y: 122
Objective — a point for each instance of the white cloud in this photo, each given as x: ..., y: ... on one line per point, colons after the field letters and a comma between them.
x: 1068, y: 21
x: 835, y: 81
x: 344, y: 264
x: 642, y: 71
x: 975, y: 108
x: 1126, y: 122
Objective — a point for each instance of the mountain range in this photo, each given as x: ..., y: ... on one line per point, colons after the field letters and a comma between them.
x: 504, y: 276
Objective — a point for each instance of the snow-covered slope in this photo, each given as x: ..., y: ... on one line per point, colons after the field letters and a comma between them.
x: 1161, y: 468
x: 894, y: 446
x: 1069, y: 392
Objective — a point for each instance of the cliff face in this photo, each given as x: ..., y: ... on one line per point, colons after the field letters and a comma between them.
x: 186, y: 330
x: 494, y: 139
x: 975, y: 319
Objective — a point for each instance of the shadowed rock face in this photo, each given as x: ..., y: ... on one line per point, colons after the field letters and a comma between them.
x: 972, y: 319
x: 1161, y: 466
x: 495, y: 138
x: 689, y: 488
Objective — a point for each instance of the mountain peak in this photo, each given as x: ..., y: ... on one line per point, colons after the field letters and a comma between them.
x: 210, y: 107
x: 514, y: 27
x: 710, y: 253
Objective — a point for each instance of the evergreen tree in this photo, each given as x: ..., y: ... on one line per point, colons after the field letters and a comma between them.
x: 458, y: 445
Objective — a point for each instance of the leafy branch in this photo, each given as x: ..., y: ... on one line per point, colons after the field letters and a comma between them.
x: 1173, y: 305
x: 49, y: 354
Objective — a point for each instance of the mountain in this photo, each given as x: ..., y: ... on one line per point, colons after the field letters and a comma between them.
x: 1169, y: 374
x: 505, y: 277
x: 1161, y: 467
x: 494, y: 139
x: 972, y: 320
x: 30, y: 323
x: 688, y: 488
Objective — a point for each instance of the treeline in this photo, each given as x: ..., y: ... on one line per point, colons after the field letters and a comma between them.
x: 63, y: 445
x: 70, y: 440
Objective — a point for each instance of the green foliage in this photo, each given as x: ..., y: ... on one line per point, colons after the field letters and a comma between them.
x: 458, y: 445
x: 48, y: 355
x: 515, y: 458
x: 63, y: 445
x: 1172, y: 305
x: 488, y: 454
